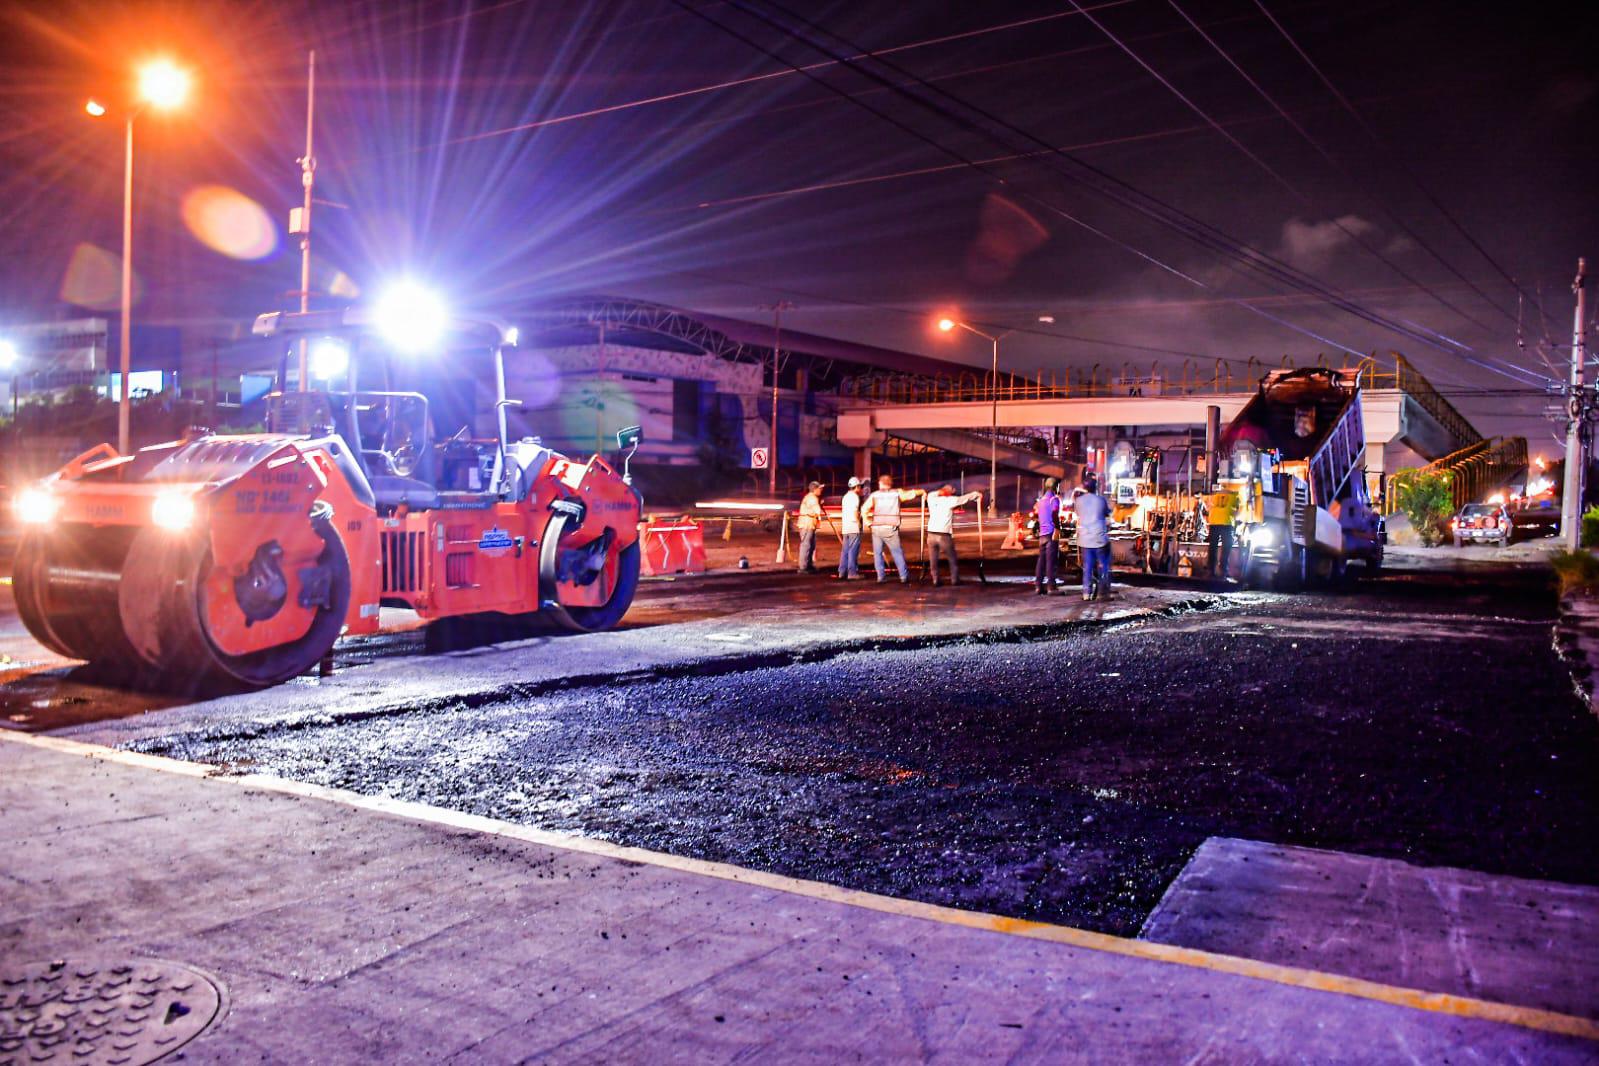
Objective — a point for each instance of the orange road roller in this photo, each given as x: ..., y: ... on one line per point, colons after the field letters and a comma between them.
x: 236, y: 561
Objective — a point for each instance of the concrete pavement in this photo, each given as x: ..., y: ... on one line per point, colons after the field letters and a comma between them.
x: 1508, y: 939
x: 354, y: 929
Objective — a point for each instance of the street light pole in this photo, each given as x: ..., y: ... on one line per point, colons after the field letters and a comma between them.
x: 777, y: 310
x: 947, y: 324
x: 161, y: 86
x: 307, y: 180
x: 124, y: 422
x: 993, y: 431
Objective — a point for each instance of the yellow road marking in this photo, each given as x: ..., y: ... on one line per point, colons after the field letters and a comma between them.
x: 1293, y: 976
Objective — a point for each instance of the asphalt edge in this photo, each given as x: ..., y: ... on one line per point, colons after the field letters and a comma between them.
x: 704, y: 666
x: 1464, y: 1007
x: 1576, y: 641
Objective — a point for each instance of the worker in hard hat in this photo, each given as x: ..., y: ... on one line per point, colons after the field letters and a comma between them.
x: 810, y: 516
x: 881, y: 513
x: 849, y: 522
x: 941, y: 508
x: 1221, y: 513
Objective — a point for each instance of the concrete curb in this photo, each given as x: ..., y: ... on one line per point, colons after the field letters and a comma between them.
x: 1441, y: 1003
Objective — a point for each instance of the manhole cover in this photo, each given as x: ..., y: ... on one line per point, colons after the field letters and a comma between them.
x: 119, y: 1012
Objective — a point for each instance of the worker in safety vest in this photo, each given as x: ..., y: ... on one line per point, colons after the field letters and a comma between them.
x: 810, y: 516
x: 1221, y: 512
x: 881, y: 512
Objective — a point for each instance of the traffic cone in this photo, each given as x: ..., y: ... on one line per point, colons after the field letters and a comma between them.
x: 727, y: 534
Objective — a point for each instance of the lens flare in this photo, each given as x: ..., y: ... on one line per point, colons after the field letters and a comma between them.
x: 93, y: 279
x: 229, y: 222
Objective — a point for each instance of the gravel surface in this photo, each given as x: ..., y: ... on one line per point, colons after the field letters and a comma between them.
x: 1422, y: 717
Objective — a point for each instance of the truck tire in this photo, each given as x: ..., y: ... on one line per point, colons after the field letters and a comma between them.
x: 1291, y: 574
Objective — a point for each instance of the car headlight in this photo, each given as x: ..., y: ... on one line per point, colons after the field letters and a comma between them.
x: 172, y: 510
x: 35, y: 506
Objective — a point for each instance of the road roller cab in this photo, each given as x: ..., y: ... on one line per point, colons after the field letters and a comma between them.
x: 238, y: 560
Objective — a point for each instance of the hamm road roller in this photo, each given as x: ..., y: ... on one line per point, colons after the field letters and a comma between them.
x: 235, y: 561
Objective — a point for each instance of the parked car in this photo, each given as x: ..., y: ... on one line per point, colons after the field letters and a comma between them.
x: 1482, y: 521
x: 1536, y: 517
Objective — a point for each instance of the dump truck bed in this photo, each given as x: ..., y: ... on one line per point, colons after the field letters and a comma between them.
x: 1307, y: 416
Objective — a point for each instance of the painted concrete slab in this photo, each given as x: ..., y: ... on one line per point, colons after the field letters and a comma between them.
x: 345, y: 933
x: 1512, y: 940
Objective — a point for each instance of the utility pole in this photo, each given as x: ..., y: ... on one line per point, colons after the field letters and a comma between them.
x: 302, y: 225
x: 125, y: 327
x: 777, y: 310
x: 1578, y: 431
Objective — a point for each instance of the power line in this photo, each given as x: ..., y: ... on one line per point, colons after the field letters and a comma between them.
x: 1276, y: 176
x: 755, y: 79
x: 1382, y: 143
x: 1107, y: 185
x: 1348, y: 176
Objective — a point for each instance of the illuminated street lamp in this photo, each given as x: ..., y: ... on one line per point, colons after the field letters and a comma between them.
x: 165, y: 86
x: 949, y: 325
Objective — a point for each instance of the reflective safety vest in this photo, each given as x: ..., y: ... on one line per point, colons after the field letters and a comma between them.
x: 1223, y: 508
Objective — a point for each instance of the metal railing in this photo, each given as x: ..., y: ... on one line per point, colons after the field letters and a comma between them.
x: 1191, y: 378
x: 1474, y: 471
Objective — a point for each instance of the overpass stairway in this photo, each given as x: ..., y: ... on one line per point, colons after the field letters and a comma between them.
x: 977, y: 445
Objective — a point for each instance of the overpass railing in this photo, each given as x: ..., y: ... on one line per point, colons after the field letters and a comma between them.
x: 1191, y: 378
x: 1475, y: 470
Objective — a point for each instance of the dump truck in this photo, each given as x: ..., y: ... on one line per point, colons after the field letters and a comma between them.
x: 1296, y: 455
x: 236, y: 561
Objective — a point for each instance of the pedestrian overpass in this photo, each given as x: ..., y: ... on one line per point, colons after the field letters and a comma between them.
x: 1407, y: 421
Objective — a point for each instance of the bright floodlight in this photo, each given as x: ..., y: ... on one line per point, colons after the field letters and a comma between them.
x: 411, y: 318
x: 8, y: 356
x: 34, y: 506
x: 946, y: 324
x: 94, y: 108
x: 329, y: 359
x: 163, y: 84
x: 172, y: 510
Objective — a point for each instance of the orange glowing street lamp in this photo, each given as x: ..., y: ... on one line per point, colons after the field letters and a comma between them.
x: 949, y: 325
x: 164, y: 86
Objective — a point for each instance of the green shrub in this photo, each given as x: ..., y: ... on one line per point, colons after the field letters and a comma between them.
x: 1576, y: 570
x: 1426, y: 498
x: 1590, y: 527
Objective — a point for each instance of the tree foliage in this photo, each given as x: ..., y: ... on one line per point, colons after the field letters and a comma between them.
x: 1427, y: 499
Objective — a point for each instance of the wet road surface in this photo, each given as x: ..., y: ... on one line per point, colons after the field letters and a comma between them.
x: 1423, y: 716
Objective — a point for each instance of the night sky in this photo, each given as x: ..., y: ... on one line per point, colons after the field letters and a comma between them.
x: 1210, y: 179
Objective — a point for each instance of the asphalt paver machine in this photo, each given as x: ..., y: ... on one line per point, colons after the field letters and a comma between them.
x: 236, y: 561
x: 1296, y: 455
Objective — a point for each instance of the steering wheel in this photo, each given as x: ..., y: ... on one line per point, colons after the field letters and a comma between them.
x: 399, y: 440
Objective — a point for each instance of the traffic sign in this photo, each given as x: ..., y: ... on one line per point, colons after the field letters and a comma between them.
x: 758, y: 458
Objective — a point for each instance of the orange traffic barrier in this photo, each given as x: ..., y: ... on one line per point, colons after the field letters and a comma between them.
x: 673, y: 547
x: 1017, y: 533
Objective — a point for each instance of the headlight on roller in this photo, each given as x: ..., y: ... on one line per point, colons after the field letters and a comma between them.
x: 1262, y: 537
x: 172, y: 510
x: 36, y: 507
